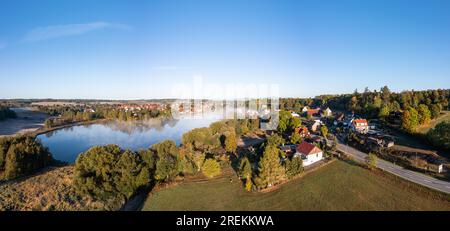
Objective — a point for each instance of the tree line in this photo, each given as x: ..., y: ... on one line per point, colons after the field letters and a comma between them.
x: 72, y: 114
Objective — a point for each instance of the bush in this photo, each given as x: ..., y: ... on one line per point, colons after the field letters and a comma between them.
x: 21, y: 156
x: 440, y: 135
x: 201, y: 139
x: 108, y: 171
x: 371, y: 161
x: 211, y: 168
x: 185, y: 165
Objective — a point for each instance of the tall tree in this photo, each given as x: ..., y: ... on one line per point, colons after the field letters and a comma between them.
x: 245, y: 168
x: 435, y: 111
x: 410, y: 119
x: 275, y: 140
x: 296, y: 138
x: 166, y: 164
x: 385, y: 94
x: 384, y: 112
x: 270, y: 169
x: 230, y: 142
x: 293, y: 166
x: 424, y: 114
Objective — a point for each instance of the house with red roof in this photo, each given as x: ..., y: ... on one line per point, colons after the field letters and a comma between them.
x: 313, y: 112
x: 360, y: 125
x: 309, y: 153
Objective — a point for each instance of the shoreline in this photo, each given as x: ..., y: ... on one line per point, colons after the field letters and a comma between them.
x: 42, y: 130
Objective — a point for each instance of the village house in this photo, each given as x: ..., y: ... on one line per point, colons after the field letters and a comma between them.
x: 327, y: 112
x: 309, y: 153
x: 314, y: 125
x: 305, y: 109
x: 313, y: 112
x: 360, y: 125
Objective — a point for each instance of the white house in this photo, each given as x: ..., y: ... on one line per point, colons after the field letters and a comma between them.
x: 327, y: 112
x: 309, y: 153
x: 305, y: 109
x: 360, y: 125
x: 315, y: 125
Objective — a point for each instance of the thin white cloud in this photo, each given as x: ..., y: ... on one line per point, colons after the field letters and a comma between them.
x: 50, y: 32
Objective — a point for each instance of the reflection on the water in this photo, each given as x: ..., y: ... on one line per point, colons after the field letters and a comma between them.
x: 65, y: 144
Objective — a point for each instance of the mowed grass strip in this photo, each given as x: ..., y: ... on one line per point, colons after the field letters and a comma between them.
x: 338, y: 186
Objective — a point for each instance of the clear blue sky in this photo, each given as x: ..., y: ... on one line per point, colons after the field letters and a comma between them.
x: 140, y: 49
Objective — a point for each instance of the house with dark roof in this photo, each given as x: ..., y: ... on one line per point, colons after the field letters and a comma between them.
x: 309, y: 153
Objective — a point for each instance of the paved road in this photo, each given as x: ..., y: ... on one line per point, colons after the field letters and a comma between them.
x: 415, y: 177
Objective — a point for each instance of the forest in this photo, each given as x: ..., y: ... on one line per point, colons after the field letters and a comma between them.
x: 375, y: 104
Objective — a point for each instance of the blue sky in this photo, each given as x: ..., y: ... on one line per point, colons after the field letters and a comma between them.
x: 139, y: 49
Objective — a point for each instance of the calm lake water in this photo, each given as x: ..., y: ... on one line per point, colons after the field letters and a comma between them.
x: 66, y: 144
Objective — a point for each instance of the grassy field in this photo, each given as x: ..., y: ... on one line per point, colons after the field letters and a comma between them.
x: 338, y: 186
x: 49, y: 190
x: 445, y: 116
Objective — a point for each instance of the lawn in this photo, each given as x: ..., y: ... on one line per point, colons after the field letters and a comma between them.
x: 338, y: 186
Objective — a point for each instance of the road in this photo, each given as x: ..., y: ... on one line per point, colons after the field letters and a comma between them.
x: 412, y: 176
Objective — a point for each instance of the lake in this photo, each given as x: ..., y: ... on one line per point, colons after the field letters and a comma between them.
x: 67, y: 143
